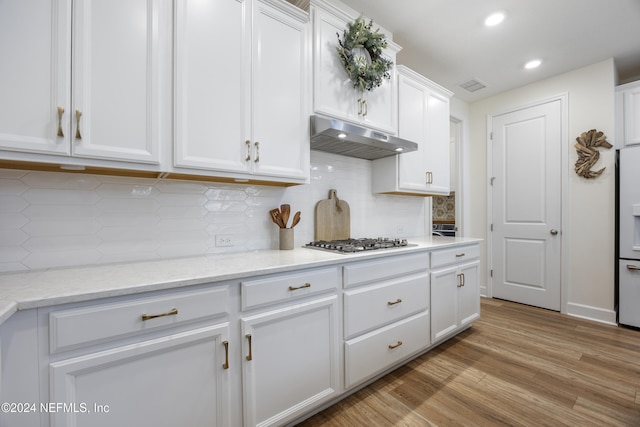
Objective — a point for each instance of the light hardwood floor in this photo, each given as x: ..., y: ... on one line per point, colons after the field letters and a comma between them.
x: 517, y: 366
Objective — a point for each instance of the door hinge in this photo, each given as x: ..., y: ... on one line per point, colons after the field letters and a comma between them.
x: 493, y: 178
x: 491, y: 227
x: 491, y: 136
x: 491, y: 272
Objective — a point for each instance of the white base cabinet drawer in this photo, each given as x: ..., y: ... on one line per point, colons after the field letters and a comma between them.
x: 368, y: 307
x: 372, y: 353
x: 454, y: 255
x: 285, y: 287
x: 365, y: 272
x: 73, y: 328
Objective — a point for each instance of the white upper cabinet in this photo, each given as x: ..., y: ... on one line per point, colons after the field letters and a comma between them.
x: 628, y: 114
x: 35, y: 47
x: 333, y: 91
x: 121, y: 76
x: 242, y: 89
x: 92, y: 81
x: 423, y: 117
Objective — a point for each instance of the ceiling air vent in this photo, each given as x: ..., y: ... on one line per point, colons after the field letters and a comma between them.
x: 473, y: 85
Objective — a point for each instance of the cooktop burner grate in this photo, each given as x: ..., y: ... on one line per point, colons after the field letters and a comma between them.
x: 358, y: 245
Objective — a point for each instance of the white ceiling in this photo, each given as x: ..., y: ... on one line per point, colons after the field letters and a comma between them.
x: 446, y: 40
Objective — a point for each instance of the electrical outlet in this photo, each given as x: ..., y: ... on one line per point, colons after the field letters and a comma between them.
x: 224, y: 240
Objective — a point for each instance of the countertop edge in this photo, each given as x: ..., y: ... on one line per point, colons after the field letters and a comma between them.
x: 27, y: 290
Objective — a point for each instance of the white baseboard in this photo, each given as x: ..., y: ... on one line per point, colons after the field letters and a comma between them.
x: 592, y: 313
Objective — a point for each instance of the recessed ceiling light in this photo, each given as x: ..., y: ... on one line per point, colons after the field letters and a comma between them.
x: 494, y: 19
x: 535, y: 63
x: 342, y: 135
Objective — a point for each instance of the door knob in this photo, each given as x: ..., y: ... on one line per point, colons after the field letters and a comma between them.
x: 554, y: 231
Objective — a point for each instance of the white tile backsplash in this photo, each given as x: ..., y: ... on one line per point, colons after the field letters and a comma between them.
x: 57, y: 219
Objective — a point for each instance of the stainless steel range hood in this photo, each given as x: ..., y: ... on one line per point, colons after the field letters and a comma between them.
x: 338, y: 137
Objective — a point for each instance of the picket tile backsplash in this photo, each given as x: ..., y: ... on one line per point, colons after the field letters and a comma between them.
x: 57, y: 219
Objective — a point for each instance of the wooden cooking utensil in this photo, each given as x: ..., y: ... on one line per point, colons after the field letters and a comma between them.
x: 285, y: 211
x: 275, y: 217
x: 296, y: 219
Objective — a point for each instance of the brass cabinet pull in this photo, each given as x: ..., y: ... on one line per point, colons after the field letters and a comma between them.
x: 460, y: 280
x: 633, y: 267
x: 429, y: 177
x: 248, y: 150
x: 396, y: 345
x: 78, y: 115
x: 366, y: 108
x: 257, y: 144
x: 250, y: 356
x: 60, y: 113
x: 398, y: 301
x: 359, y: 106
x: 460, y: 255
x: 295, y: 288
x: 153, y: 316
x: 226, y: 354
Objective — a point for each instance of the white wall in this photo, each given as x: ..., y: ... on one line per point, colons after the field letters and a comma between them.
x: 50, y: 219
x: 590, y: 217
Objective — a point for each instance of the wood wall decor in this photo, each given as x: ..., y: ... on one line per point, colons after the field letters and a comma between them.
x: 588, y: 154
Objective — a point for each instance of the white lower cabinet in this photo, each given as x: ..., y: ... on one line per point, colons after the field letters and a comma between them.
x: 386, y: 314
x: 159, y: 360
x: 291, y: 354
x: 455, y: 290
x: 19, y: 375
x: 178, y: 379
x: 265, y: 351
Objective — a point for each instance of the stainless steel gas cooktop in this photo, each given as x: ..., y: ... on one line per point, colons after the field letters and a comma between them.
x: 350, y: 246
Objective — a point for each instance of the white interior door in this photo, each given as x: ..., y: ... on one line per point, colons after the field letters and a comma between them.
x: 526, y: 205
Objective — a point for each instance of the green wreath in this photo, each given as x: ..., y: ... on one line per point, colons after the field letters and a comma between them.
x: 361, y: 54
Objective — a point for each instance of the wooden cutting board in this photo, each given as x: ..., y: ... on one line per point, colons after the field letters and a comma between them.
x: 333, y: 218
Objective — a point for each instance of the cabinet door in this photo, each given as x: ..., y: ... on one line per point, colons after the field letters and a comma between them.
x: 280, y: 114
x: 176, y: 380
x: 121, y: 72
x: 35, y: 47
x: 380, y: 108
x: 213, y: 54
x: 444, y: 302
x: 469, y: 294
x: 333, y: 93
x: 291, y: 361
x: 437, y: 147
x: 412, y: 113
x: 632, y: 116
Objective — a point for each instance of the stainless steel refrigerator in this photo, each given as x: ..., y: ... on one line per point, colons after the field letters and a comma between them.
x: 628, y: 232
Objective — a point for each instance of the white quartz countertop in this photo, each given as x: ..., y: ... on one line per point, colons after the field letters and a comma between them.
x: 20, y: 291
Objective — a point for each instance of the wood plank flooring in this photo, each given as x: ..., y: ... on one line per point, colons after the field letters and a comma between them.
x: 516, y: 366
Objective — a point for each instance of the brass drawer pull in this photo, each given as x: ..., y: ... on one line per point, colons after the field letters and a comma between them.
x: 460, y: 255
x: 257, y: 144
x: 632, y: 267
x: 248, y: 150
x: 398, y: 344
x: 295, y: 288
x: 250, y: 356
x: 226, y: 354
x: 398, y: 301
x: 60, y: 113
x: 153, y: 316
